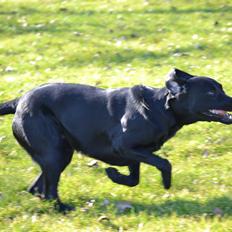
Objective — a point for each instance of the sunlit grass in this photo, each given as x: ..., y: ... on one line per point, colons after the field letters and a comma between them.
x: 112, y: 44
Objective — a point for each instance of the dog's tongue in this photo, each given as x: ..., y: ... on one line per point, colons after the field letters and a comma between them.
x: 219, y: 112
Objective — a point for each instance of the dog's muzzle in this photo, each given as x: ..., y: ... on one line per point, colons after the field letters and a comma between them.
x: 219, y: 115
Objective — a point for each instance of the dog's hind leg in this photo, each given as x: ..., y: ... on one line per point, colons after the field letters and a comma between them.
x: 37, y: 187
x: 44, y: 140
x: 131, y: 180
x: 52, y: 169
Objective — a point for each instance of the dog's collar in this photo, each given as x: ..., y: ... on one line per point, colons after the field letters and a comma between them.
x: 168, y: 106
x: 169, y: 96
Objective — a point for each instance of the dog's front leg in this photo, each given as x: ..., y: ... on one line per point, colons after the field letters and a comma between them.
x: 161, y: 164
x: 131, y: 180
x: 128, y: 151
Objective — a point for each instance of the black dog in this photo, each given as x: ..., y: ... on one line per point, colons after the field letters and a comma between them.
x: 118, y: 126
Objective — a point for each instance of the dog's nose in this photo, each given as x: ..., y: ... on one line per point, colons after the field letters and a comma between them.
x: 228, y: 103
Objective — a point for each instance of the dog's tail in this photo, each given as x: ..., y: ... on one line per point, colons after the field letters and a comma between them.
x: 9, y: 107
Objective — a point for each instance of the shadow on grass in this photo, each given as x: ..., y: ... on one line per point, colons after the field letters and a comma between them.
x: 182, y: 207
x: 216, y: 206
x: 23, y: 10
x: 87, y: 15
x: 107, y: 53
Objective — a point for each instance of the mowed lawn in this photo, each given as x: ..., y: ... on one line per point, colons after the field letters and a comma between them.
x: 115, y: 43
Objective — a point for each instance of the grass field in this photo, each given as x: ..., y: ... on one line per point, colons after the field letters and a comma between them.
x: 118, y: 43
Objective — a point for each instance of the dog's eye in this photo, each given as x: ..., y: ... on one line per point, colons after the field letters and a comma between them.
x: 211, y: 93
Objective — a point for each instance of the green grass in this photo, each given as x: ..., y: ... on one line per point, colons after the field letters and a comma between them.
x: 110, y: 44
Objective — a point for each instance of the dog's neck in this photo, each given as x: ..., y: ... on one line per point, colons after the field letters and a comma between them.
x: 180, y: 113
x: 156, y: 100
x: 167, y: 121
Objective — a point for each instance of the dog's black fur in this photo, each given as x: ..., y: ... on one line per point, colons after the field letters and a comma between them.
x: 118, y: 126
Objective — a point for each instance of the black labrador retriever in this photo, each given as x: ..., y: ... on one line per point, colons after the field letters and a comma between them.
x: 121, y: 126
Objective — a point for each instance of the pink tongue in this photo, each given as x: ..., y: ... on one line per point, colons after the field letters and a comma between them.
x: 221, y: 112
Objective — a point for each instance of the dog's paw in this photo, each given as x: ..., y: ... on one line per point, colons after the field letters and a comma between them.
x: 119, y: 178
x: 36, y: 191
x: 63, y: 208
x: 167, y: 176
x: 112, y: 173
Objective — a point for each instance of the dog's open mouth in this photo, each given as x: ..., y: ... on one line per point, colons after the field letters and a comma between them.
x: 219, y: 115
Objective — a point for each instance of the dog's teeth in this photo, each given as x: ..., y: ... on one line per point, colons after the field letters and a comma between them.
x: 213, y: 111
x: 218, y: 112
x: 229, y: 116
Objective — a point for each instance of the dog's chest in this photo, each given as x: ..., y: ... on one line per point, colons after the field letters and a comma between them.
x: 165, y: 136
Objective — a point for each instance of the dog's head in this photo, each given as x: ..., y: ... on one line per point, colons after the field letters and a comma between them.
x: 195, y: 98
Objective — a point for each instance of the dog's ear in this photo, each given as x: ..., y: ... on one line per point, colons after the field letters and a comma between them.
x: 176, y: 81
x: 176, y: 84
